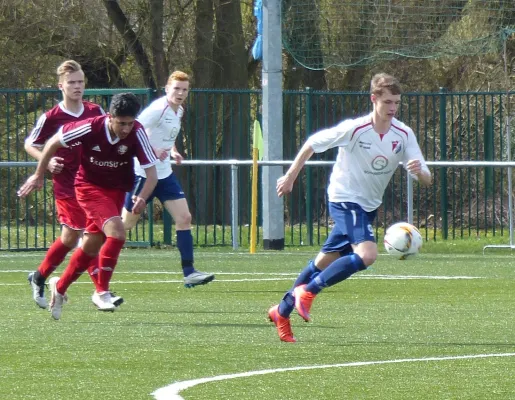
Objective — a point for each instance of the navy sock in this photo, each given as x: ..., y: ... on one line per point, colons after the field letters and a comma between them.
x: 286, y: 305
x: 337, y: 271
x: 307, y: 274
x: 185, y: 246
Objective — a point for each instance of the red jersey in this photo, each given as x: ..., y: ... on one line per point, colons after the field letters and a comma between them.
x: 47, y: 125
x: 107, y: 162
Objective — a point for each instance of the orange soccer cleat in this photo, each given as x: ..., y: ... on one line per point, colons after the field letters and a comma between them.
x: 303, y: 301
x: 282, y: 324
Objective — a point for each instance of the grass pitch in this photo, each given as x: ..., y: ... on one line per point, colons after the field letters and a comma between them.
x: 439, y: 326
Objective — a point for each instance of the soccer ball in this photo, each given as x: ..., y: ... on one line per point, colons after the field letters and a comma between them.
x: 402, y: 240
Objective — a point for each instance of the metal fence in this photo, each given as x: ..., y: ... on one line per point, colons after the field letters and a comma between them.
x: 463, y: 202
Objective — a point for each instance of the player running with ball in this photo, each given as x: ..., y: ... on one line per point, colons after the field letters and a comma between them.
x: 369, y: 151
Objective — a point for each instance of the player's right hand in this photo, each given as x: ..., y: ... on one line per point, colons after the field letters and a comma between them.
x: 284, y: 185
x: 139, y: 204
x: 35, y: 182
x: 55, y: 166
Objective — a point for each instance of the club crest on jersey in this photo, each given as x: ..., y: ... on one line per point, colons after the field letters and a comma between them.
x: 122, y: 149
x: 396, y: 146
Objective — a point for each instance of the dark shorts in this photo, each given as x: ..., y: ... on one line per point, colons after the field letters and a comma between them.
x: 167, y: 188
x: 352, y: 225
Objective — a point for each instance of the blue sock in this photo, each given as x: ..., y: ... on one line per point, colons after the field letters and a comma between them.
x: 185, y: 246
x: 286, y: 305
x: 337, y: 271
x: 307, y: 274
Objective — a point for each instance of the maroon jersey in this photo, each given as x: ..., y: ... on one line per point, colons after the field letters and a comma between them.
x: 107, y: 162
x: 47, y: 125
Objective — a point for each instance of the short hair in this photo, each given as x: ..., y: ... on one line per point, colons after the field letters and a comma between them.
x: 124, y: 105
x: 178, y: 76
x: 68, y: 67
x: 383, y: 81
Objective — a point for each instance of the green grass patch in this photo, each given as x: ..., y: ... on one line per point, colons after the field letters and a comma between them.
x: 432, y: 306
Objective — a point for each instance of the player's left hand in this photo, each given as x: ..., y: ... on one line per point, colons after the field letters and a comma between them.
x: 139, y: 204
x: 177, y: 157
x: 35, y: 182
x: 162, y: 154
x: 414, y: 167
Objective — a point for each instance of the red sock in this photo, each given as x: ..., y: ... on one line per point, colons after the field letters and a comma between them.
x: 54, y: 256
x: 93, y: 271
x: 79, y: 263
x: 109, y: 254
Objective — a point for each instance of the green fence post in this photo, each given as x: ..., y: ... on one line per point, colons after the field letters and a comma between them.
x: 167, y: 227
x: 443, y: 157
x: 489, y: 154
x: 309, y: 182
x: 167, y: 219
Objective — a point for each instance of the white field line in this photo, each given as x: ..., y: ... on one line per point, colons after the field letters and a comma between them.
x: 253, y: 277
x: 175, y: 254
x: 171, y: 392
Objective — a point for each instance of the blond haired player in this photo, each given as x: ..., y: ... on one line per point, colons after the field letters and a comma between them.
x: 369, y: 150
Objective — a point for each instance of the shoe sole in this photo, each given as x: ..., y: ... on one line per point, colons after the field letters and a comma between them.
x: 203, y: 282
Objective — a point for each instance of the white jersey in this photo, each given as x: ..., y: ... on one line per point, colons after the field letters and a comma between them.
x: 366, y: 159
x: 162, y: 125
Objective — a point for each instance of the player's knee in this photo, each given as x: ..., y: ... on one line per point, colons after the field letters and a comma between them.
x: 119, y: 235
x: 70, y: 239
x: 128, y: 224
x: 368, y: 258
x: 129, y: 220
x: 183, y: 220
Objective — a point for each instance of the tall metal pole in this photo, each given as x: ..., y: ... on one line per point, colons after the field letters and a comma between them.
x: 273, y: 206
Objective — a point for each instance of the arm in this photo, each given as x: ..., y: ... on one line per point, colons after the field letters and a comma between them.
x: 35, y: 181
x: 176, y: 155
x: 54, y: 166
x: 415, y: 163
x: 140, y: 200
x: 285, y: 183
x: 423, y: 175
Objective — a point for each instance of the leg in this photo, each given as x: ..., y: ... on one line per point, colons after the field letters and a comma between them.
x: 110, y: 251
x: 354, y: 226
x: 173, y: 200
x: 106, y: 234
x: 335, y: 246
x: 128, y: 217
x: 79, y: 262
x: 73, y: 220
x: 313, y: 268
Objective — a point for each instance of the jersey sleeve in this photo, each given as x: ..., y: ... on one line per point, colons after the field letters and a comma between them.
x: 38, y: 135
x: 144, y: 153
x: 74, y: 132
x: 413, y: 152
x: 149, y: 117
x: 337, y: 136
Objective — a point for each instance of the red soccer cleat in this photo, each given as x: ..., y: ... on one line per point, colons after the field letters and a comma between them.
x: 303, y: 301
x: 282, y: 324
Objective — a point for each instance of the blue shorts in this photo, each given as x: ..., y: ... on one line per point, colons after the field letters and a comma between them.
x: 352, y: 225
x: 167, y: 188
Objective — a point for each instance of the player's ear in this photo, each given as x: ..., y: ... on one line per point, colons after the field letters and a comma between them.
x: 373, y: 98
